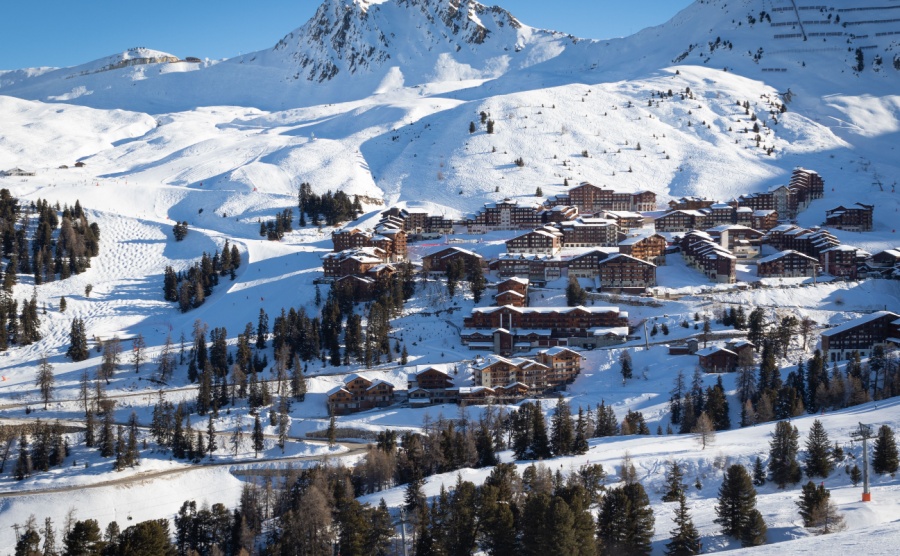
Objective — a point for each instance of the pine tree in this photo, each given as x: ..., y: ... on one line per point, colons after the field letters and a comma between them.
x: 562, y: 430
x: 580, y: 444
x: 607, y: 423
x: 737, y: 498
x: 754, y: 533
x: 258, y: 438
x: 812, y: 500
x: 625, y: 521
x: 675, y: 486
x: 78, y: 349
x: 540, y: 444
x: 884, y: 456
x: 855, y: 475
x: 759, y: 472
x: 23, y: 462
x: 685, y: 538
x: 625, y: 365
x: 783, y: 450
x: 84, y: 538
x: 819, y: 460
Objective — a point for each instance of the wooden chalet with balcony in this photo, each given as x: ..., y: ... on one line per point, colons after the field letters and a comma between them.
x: 589, y: 232
x: 506, y: 330
x: 624, y: 273
x: 681, y: 221
x: 861, y: 335
x: 505, y: 215
x: 359, y: 394
x: 546, y: 240
x: 787, y: 264
x: 649, y: 247
x: 438, y: 261
x: 856, y: 218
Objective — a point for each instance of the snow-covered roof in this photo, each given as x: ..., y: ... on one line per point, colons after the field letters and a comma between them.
x: 510, y: 292
x: 523, y: 281
x: 631, y: 240
x: 619, y: 331
x: 591, y: 309
x: 620, y: 256
x: 781, y: 254
x: 551, y: 352
x: 711, y: 350
x: 850, y: 325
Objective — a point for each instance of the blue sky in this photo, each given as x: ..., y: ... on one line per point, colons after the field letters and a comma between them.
x: 65, y: 33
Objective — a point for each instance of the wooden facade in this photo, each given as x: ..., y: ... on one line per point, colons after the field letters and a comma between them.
x: 861, y: 335
x: 787, y: 264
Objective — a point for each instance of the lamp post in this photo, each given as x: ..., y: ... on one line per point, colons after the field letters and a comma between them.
x: 864, y: 433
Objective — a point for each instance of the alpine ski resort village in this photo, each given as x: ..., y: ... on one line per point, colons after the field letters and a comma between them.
x: 422, y: 278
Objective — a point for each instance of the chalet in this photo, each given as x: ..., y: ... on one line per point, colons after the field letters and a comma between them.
x: 589, y: 232
x: 843, y: 261
x: 352, y: 262
x: 807, y: 186
x: 591, y: 199
x: 546, y: 241
x: 690, y: 347
x: 565, y: 365
x: 429, y: 379
x: 741, y: 347
x: 809, y: 242
x: 722, y: 213
x: 418, y: 222
x: 508, y: 329
x: 362, y: 288
x: 359, y: 394
x: 716, y: 262
x: 857, y: 218
x: 512, y: 298
x: 649, y: 247
x: 787, y: 264
x: 743, y: 242
x: 681, y: 221
x: 495, y: 370
x: 764, y: 220
x: 861, y: 335
x: 16, y: 172
x: 690, y: 203
x: 512, y: 291
x: 717, y: 360
x: 625, y: 220
x: 505, y: 215
x: 551, y: 370
x: 474, y: 395
x: 744, y: 216
x: 782, y: 199
x: 884, y: 264
x: 587, y: 265
x: 625, y: 273
x: 559, y: 214
x: 438, y: 261
x: 390, y: 240
x: 537, y: 268
x: 511, y: 393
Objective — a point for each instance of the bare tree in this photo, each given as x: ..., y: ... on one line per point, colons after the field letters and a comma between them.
x: 165, y: 363
x: 45, y: 380
x: 705, y: 431
x: 138, y: 354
